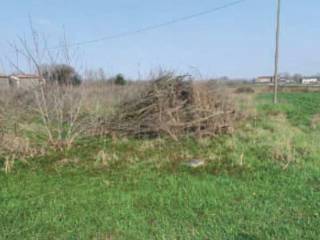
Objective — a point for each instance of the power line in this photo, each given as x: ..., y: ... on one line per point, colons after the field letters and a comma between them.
x: 152, y: 27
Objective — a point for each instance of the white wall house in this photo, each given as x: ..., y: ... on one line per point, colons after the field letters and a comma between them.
x: 309, y: 80
x: 264, y: 79
x: 4, y: 81
x: 20, y: 81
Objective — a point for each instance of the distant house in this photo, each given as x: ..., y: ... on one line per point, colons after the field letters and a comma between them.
x: 26, y: 80
x: 286, y: 80
x: 4, y: 81
x: 19, y: 81
x: 309, y: 80
x: 264, y: 79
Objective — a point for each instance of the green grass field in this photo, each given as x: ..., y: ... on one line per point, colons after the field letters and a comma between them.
x: 263, y: 182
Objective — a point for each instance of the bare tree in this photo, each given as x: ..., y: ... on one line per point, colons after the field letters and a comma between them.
x: 59, y: 104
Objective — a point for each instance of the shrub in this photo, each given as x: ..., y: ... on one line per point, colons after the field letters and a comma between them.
x: 59, y: 109
x: 61, y: 73
x: 120, y: 80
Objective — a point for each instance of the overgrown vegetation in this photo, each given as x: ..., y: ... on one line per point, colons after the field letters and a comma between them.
x: 260, y: 182
x: 59, y: 118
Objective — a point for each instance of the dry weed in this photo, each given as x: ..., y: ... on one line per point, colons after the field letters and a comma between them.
x: 16, y: 148
x: 19, y: 146
x: 104, y: 159
x: 8, y: 163
x: 67, y: 161
x: 315, y: 121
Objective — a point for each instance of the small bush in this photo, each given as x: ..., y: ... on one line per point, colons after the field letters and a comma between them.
x: 120, y: 80
x: 61, y: 73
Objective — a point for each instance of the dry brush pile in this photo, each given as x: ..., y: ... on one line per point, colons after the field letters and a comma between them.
x: 175, y: 106
x: 54, y: 117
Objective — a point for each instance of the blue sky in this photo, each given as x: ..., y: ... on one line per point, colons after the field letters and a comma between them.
x: 238, y: 41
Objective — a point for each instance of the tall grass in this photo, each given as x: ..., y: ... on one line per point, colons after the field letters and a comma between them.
x: 66, y: 118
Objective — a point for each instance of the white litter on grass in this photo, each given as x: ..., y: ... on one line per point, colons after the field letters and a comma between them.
x: 195, y: 163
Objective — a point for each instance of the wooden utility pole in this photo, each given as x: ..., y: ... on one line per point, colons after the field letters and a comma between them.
x: 276, y: 62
